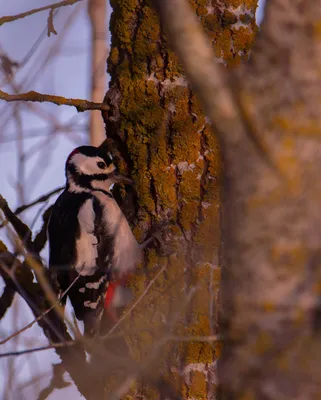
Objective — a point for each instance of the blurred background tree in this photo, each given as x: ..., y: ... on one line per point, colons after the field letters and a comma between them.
x: 160, y: 137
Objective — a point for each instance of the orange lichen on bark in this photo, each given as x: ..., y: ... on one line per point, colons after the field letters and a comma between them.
x: 198, y: 385
x: 174, y: 160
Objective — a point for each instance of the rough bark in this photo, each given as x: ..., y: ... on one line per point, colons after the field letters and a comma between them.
x: 165, y: 143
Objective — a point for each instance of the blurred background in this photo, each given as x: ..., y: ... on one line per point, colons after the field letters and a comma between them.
x: 35, y: 139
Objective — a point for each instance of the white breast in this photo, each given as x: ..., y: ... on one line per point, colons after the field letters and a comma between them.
x: 87, y: 243
x: 127, y: 253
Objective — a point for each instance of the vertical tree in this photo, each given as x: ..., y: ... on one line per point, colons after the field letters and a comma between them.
x: 165, y: 143
x: 269, y: 134
x: 97, y: 16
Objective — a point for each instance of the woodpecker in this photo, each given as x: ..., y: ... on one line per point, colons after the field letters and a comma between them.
x: 89, y: 237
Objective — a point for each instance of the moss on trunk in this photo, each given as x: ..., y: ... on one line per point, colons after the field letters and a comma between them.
x: 164, y: 142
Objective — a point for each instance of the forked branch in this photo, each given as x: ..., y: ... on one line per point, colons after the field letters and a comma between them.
x: 10, y: 18
x: 80, y: 104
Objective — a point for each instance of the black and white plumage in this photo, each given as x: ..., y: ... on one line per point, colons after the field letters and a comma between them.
x: 88, y: 234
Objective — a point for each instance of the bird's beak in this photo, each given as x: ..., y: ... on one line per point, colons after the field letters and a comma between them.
x: 116, y: 177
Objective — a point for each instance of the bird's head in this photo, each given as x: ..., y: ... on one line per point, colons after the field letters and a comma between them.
x: 89, y: 167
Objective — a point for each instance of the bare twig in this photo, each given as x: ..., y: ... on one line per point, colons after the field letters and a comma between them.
x: 40, y: 240
x: 20, y: 209
x: 21, y: 160
x: 128, y: 312
x: 6, y: 298
x: 10, y: 18
x: 80, y: 104
x: 212, y: 338
x: 41, y: 199
x: 33, y: 306
x: 70, y: 343
x: 50, y: 23
x: 57, y: 381
x: 75, y: 361
x: 41, y: 315
x: 40, y: 348
x: 22, y: 230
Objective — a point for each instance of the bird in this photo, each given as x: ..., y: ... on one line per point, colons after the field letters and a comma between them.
x: 90, y: 240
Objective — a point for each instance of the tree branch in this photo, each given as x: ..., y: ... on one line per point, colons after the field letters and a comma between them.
x: 23, y: 231
x: 40, y: 316
x: 40, y: 348
x: 70, y: 343
x: 41, y: 199
x: 40, y: 240
x: 10, y: 18
x: 6, y: 298
x: 80, y: 104
x: 53, y: 327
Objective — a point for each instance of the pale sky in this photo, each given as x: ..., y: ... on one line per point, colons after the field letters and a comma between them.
x: 66, y: 75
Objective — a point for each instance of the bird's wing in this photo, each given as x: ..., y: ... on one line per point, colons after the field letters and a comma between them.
x: 61, y: 234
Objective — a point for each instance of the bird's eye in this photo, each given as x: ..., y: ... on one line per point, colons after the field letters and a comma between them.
x: 101, y: 165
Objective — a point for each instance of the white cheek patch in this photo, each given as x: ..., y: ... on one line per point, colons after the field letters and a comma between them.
x: 88, y: 165
x: 87, y: 242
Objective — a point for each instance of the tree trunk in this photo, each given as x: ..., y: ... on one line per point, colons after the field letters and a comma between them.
x: 165, y: 143
x: 97, y: 15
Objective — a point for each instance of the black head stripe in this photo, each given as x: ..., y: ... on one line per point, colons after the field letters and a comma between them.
x: 84, y: 180
x: 103, y: 191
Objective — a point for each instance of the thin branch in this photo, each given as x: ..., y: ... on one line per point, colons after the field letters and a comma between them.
x: 40, y: 348
x: 10, y: 18
x: 151, y: 283
x: 50, y: 23
x: 56, y: 332
x: 23, y: 231
x: 57, y: 381
x: 41, y: 199
x: 80, y: 104
x: 40, y: 240
x: 11, y: 215
x: 41, y: 315
x: 25, y: 294
x: 213, y: 338
x: 6, y: 299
